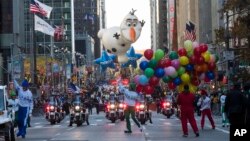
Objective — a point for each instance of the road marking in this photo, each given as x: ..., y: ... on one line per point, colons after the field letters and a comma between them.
x: 167, y: 123
x: 71, y: 128
x: 112, y: 124
x: 37, y: 123
x: 143, y: 127
x: 99, y: 120
x: 222, y: 130
x: 56, y: 125
x: 94, y: 124
x: 146, y: 134
x: 162, y: 119
x: 58, y: 134
x: 39, y: 126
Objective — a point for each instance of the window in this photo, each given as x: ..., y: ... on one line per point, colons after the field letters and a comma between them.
x: 66, y: 4
x: 2, y: 100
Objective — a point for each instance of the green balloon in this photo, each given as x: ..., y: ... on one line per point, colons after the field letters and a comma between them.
x: 190, y: 53
x: 149, y: 72
x: 159, y: 54
x: 216, y: 58
x: 174, y: 75
x: 166, y: 79
x: 173, y: 55
x: 152, y: 63
x: 181, y: 71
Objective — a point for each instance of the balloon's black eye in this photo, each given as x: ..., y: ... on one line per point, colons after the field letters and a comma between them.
x: 114, y: 49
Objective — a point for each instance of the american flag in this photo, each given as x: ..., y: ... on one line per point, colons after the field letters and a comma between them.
x: 36, y: 8
x: 71, y: 88
x: 59, y: 32
x: 190, y: 32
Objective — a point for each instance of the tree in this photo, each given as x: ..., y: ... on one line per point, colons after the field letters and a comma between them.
x: 240, y: 28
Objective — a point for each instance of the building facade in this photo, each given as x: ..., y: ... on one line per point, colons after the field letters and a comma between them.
x: 154, y: 24
x: 163, y: 24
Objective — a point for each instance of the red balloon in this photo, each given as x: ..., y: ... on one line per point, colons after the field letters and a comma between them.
x: 193, y: 60
x: 182, y: 52
x: 149, y: 90
x: 200, y: 60
x: 197, y: 51
x: 203, y: 47
x: 165, y: 62
x: 154, y: 81
x: 139, y: 88
x: 211, y: 66
x: 171, y: 85
x: 148, y: 53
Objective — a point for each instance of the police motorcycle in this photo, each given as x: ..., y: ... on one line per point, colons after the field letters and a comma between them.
x: 7, y: 116
x: 121, y: 107
x: 142, y: 113
x: 167, y: 106
x: 111, y: 110
x: 78, y: 114
x: 54, y: 111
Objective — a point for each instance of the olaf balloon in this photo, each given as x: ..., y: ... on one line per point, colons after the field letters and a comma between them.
x: 117, y: 40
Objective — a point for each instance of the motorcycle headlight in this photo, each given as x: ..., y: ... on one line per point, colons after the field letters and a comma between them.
x: 77, y: 108
x: 121, y: 105
x: 52, y: 108
x: 112, y: 106
x: 142, y: 106
x: 167, y: 104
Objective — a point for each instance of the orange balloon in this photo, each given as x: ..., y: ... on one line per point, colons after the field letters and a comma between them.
x: 204, y: 67
x: 198, y: 68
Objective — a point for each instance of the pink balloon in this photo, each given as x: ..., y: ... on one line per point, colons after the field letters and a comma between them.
x: 212, y: 58
x: 175, y: 63
x: 169, y: 71
x: 195, y: 44
x: 136, y: 79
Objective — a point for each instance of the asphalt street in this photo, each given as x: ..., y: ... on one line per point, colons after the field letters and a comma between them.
x: 101, y: 129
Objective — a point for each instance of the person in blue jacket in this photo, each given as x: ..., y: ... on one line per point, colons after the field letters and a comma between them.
x: 25, y: 106
x: 130, y: 97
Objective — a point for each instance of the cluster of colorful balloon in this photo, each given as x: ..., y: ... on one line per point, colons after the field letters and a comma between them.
x: 189, y: 66
x: 153, y: 70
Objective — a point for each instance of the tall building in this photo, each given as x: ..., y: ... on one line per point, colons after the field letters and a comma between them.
x: 163, y: 24
x: 11, y: 38
x: 154, y: 24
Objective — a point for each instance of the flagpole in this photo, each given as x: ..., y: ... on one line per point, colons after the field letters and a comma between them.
x: 33, y: 54
x: 72, y: 31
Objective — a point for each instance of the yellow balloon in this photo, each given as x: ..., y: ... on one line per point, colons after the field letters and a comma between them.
x: 192, y: 88
x: 137, y: 71
x: 180, y: 88
x: 188, y: 45
x: 185, y: 78
x: 184, y: 60
x: 206, y: 56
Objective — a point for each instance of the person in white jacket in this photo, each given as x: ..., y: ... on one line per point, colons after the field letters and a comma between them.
x: 205, y: 104
x: 25, y: 106
x: 130, y: 97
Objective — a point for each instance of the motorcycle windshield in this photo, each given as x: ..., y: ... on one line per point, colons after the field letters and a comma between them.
x: 1, y: 100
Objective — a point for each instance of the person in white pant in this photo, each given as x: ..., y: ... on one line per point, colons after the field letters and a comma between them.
x: 225, y: 121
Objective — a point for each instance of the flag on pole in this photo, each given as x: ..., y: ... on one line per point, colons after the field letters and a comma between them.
x: 38, y: 7
x: 90, y: 17
x: 43, y: 26
x: 190, y: 32
x: 59, y: 32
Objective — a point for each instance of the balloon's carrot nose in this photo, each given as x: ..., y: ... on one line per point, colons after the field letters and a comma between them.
x: 132, y: 34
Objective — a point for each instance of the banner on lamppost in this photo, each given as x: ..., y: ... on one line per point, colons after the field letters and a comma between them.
x: 68, y: 71
x: 17, y: 70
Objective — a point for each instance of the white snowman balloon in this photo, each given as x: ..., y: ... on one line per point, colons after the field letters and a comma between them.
x: 113, y: 43
x: 131, y: 27
x: 117, y: 40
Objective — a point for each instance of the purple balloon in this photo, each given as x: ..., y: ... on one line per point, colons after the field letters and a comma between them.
x: 175, y: 63
x: 195, y: 44
x: 136, y: 79
x: 169, y: 71
x: 202, y: 76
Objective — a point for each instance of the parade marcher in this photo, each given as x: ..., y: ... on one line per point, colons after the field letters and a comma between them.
x: 225, y: 121
x: 205, y: 104
x: 25, y: 106
x: 13, y: 102
x: 130, y: 100
x: 235, y: 107
x: 186, y: 101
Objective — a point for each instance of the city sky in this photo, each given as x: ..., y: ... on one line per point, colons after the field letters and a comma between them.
x: 116, y: 10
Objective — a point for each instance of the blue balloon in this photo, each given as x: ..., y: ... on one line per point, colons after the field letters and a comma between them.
x: 189, y: 67
x: 210, y: 75
x: 159, y: 72
x: 143, y: 80
x: 177, y: 81
x: 143, y: 65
